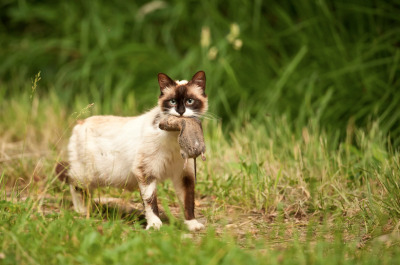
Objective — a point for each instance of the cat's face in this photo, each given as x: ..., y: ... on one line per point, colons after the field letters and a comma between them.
x: 183, y: 98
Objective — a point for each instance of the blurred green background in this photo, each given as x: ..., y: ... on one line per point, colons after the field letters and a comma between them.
x: 333, y: 62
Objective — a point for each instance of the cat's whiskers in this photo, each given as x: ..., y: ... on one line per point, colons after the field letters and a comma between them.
x: 210, y: 116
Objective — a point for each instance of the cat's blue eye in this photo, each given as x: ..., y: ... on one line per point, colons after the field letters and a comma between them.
x: 190, y: 101
x: 172, y: 102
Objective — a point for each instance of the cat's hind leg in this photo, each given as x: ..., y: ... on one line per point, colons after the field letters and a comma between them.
x: 80, y: 199
x: 79, y: 196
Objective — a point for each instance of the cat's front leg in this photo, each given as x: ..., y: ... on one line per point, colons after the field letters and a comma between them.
x: 149, y: 196
x: 188, y: 203
x: 184, y: 187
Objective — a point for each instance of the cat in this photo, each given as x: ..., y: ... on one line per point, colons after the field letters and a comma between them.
x: 132, y: 152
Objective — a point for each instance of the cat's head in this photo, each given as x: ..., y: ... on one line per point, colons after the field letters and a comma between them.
x: 183, y: 98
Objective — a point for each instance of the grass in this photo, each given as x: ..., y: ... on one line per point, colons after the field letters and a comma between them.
x: 64, y: 239
x: 302, y: 135
x: 266, y: 193
x: 333, y: 60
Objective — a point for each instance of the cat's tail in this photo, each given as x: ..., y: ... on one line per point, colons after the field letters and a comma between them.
x: 62, y: 171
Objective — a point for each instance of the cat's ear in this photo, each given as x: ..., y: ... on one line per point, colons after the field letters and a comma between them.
x: 164, y: 81
x: 199, y: 79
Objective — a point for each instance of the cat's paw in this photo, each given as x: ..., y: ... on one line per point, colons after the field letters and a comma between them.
x: 81, y: 209
x: 194, y: 225
x: 154, y: 223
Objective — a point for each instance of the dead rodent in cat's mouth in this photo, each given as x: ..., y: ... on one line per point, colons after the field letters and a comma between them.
x: 191, y: 139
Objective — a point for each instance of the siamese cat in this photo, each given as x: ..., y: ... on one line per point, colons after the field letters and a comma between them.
x: 132, y: 152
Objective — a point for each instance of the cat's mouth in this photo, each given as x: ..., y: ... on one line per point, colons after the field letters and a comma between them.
x: 183, y: 115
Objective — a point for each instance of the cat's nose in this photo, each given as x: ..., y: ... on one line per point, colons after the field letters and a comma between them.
x: 181, y: 111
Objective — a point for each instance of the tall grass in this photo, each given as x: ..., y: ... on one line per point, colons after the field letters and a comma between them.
x: 334, y: 60
x: 266, y: 192
x: 266, y: 167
